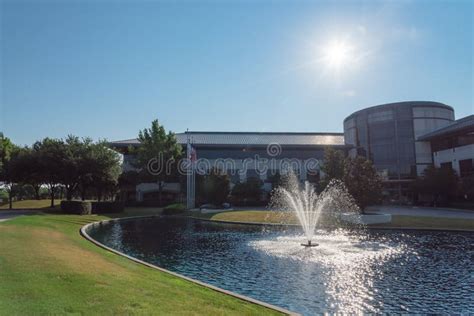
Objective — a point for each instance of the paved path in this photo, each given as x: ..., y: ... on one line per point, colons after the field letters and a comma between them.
x: 6, y: 215
x: 423, y: 211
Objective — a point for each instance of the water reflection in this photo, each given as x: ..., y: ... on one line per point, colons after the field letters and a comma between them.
x: 350, y: 272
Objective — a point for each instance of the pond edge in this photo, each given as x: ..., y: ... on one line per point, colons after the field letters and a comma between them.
x: 84, y: 233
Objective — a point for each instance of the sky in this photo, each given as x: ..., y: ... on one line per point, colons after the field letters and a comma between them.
x: 105, y: 69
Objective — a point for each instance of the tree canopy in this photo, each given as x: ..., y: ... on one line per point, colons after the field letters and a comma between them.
x: 157, y: 157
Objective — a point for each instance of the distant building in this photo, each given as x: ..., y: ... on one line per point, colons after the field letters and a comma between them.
x: 453, y: 146
x: 388, y: 135
x: 246, y: 154
x: 401, y: 139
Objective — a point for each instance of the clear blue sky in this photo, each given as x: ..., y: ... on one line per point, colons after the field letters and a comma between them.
x: 106, y: 69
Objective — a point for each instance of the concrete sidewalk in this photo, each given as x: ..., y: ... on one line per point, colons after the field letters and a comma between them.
x: 6, y: 215
x: 422, y: 211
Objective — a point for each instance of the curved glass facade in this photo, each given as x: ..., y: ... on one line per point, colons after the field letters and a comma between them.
x: 386, y: 134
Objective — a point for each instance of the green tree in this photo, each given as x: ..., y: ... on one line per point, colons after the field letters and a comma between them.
x: 28, y: 172
x: 51, y: 156
x: 106, y: 169
x: 71, y: 169
x: 214, y: 187
x: 251, y: 190
x: 158, y: 151
x: 8, y: 173
x: 362, y: 181
x: 439, y: 183
x: 333, y: 166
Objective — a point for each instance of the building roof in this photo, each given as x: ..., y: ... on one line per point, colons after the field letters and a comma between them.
x: 250, y: 139
x: 402, y: 103
x: 465, y: 124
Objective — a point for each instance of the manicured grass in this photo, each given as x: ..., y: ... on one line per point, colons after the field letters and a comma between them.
x: 424, y: 222
x: 275, y: 217
x: 31, y: 204
x: 256, y: 217
x: 46, y: 267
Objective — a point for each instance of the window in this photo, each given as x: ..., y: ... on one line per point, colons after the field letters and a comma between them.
x: 382, y: 132
x: 447, y: 165
x: 380, y: 116
x: 466, y: 167
x: 433, y: 112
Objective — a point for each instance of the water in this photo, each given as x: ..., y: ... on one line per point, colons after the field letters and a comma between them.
x: 374, y: 272
x: 308, y: 205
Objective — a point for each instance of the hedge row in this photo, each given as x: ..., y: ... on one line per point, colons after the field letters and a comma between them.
x: 76, y: 207
x: 86, y: 208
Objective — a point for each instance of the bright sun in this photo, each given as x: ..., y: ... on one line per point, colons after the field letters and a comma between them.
x: 337, y: 54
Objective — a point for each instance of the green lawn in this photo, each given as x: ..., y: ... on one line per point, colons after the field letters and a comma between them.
x: 286, y: 218
x: 31, y: 204
x: 46, y: 267
x: 423, y: 222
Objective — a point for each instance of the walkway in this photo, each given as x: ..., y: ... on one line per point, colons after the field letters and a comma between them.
x: 423, y: 211
x: 6, y: 215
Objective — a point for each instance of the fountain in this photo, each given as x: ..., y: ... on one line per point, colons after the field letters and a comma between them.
x: 308, y: 205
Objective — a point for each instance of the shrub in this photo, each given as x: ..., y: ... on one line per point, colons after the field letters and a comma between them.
x: 176, y: 208
x: 248, y: 193
x: 214, y: 187
x: 107, y: 207
x: 76, y: 207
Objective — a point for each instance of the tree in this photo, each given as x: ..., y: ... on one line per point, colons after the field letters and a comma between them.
x: 333, y: 166
x: 362, y: 181
x: 251, y: 190
x: 51, y: 156
x: 87, y: 165
x: 438, y: 182
x: 27, y: 169
x: 214, y: 187
x: 106, y: 169
x: 71, y: 172
x: 8, y: 172
x: 157, y: 151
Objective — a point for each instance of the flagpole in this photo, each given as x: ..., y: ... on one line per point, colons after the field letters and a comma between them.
x: 188, y: 175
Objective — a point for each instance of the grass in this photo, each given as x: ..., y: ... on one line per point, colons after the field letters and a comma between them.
x: 31, y: 204
x: 273, y: 217
x: 46, y: 267
x: 425, y: 222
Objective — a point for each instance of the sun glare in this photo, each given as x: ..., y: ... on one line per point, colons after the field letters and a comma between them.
x: 337, y: 54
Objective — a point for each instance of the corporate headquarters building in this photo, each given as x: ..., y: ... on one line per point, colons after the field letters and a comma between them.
x: 401, y: 139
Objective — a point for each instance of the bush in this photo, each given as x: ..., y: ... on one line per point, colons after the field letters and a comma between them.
x: 107, y: 207
x: 248, y: 193
x: 213, y: 188
x: 172, y: 209
x: 76, y: 207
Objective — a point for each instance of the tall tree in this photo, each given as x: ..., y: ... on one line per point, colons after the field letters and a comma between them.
x: 28, y: 170
x: 157, y: 151
x: 6, y: 147
x: 11, y: 174
x: 8, y: 172
x: 70, y: 175
x: 214, y: 187
x: 106, y: 169
x: 362, y: 181
x: 333, y: 166
x: 51, y: 155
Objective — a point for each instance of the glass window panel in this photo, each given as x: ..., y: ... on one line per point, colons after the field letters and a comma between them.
x: 382, y: 133
x: 380, y: 116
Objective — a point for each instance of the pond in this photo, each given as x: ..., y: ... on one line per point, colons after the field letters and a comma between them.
x: 375, y: 271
